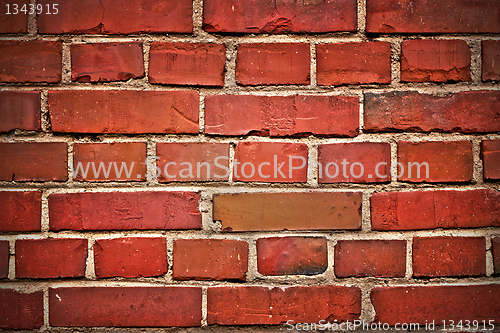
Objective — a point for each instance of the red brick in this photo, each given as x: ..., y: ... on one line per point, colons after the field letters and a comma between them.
x: 279, y: 17
x: 435, y: 60
x: 210, y: 259
x: 467, y: 112
x: 215, y: 154
x: 377, y: 258
x: 115, y: 158
x: 273, y: 306
x: 21, y: 211
x: 282, y: 115
x: 21, y: 310
x: 197, y: 64
x: 263, y: 161
x: 432, y: 16
x: 271, y: 64
x: 490, y: 54
x: 33, y: 61
x: 20, y: 110
x: 124, y: 211
x: 367, y: 154
x: 4, y: 259
x: 447, y: 209
x: 449, y: 256
x: 490, y: 153
x: 117, y: 17
x: 424, y: 304
x: 292, y: 255
x: 353, y: 63
x: 288, y: 211
x: 104, y: 62
x: 50, y: 258
x: 124, y: 111
x: 33, y: 161
x: 13, y: 23
x: 130, y: 257
x: 448, y: 161
x: 495, y: 251
x: 125, y: 306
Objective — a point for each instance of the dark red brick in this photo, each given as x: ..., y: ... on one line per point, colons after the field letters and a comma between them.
x: 50, y: 258
x: 210, y: 259
x: 273, y: 306
x: 4, y: 259
x: 432, y: 16
x: 447, y: 209
x: 271, y: 64
x: 117, y: 17
x: 449, y: 256
x: 434, y: 60
x: 353, y: 63
x: 32, y: 61
x: 490, y: 60
x: 377, y: 258
x: 21, y: 211
x: 490, y: 153
x: 124, y: 211
x: 197, y: 64
x: 104, y: 62
x: 130, y: 257
x: 292, y: 255
x: 125, y: 306
x: 282, y: 115
x: 33, y: 161
x: 21, y: 110
x: 495, y: 251
x: 467, y: 112
x: 124, y: 111
x: 13, y: 23
x: 20, y: 310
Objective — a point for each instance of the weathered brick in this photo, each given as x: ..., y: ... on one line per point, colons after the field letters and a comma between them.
x: 21, y: 211
x: 490, y: 60
x: 32, y: 61
x: 125, y: 306
x: 210, y: 259
x: 50, y: 258
x: 273, y: 306
x: 124, y: 111
x: 272, y: 64
x: 130, y: 257
x: 104, y: 62
x: 198, y: 64
x: 490, y: 153
x: 21, y: 110
x: 377, y: 258
x: 447, y: 209
x: 292, y: 255
x: 282, y: 115
x: 495, y: 251
x: 353, y: 63
x: 13, y: 23
x: 467, y: 112
x: 435, y: 60
x: 20, y: 310
x: 124, y: 211
x: 288, y: 211
x: 4, y: 259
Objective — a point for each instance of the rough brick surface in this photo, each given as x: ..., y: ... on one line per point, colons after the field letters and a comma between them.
x: 468, y: 112
x: 490, y: 60
x: 279, y: 17
x: 210, y: 259
x: 198, y: 64
x: 50, y: 258
x: 21, y: 310
x: 104, y: 62
x: 281, y: 115
x: 21, y: 110
x: 449, y: 256
x: 490, y: 153
x: 288, y: 211
x: 353, y: 63
x: 4, y: 259
x: 435, y: 60
x: 33, y: 61
x: 124, y: 211
x: 21, y: 211
x: 13, y: 23
x: 136, y: 306
x: 495, y: 251
x: 435, y: 209
x: 130, y: 257
x: 272, y: 64
x: 377, y: 258
x: 125, y: 111
x: 33, y: 161
x: 271, y: 306
x: 292, y: 255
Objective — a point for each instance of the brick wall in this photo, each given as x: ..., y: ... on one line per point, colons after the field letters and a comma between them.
x: 291, y: 114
